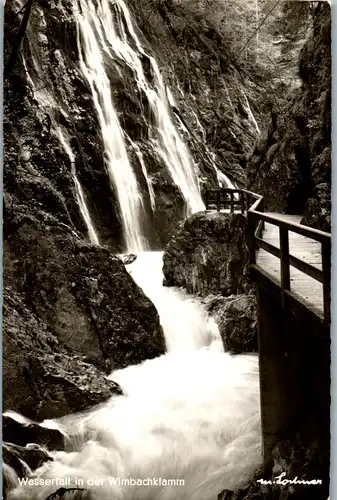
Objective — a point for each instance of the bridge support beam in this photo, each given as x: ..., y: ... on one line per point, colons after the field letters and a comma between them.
x: 294, y: 357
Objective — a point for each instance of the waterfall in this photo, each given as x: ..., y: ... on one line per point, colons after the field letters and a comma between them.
x: 91, y: 25
x: 145, y: 173
x: 190, y: 417
x: 104, y: 36
x: 166, y: 139
x: 189, y: 328
x: 223, y: 180
x: 78, y: 188
x: 48, y: 101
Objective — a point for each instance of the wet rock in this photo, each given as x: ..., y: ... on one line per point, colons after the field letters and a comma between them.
x: 21, y: 458
x: 22, y: 431
x: 236, y: 318
x: 49, y: 380
x: 66, y: 384
x: 302, y: 457
x: 128, y: 258
x: 318, y: 209
x: 208, y: 254
x: 83, y: 294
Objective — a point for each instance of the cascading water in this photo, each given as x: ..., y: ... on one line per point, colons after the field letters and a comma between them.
x: 78, y: 188
x: 166, y: 139
x: 92, y: 48
x: 47, y: 100
x: 189, y: 328
x: 190, y: 417
x: 145, y: 173
x: 103, y: 35
x: 223, y: 180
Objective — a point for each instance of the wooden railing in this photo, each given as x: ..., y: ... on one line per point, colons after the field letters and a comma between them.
x: 252, y: 206
x: 226, y: 199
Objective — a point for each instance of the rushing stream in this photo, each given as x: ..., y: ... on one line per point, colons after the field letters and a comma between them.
x: 188, y: 425
x: 190, y: 416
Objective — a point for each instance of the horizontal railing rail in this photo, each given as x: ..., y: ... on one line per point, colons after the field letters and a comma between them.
x: 226, y: 199
x: 252, y: 206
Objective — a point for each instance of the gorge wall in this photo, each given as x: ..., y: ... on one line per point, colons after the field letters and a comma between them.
x: 50, y: 117
x: 59, y: 197
x: 72, y: 312
x: 291, y: 162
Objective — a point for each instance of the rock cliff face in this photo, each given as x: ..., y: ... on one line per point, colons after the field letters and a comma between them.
x: 208, y: 254
x: 49, y: 380
x: 291, y: 162
x: 215, y: 102
x: 68, y: 304
x: 46, y: 92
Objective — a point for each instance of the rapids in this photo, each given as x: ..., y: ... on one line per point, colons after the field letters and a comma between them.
x: 191, y: 415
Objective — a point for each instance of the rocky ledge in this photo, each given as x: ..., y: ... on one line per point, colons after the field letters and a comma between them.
x: 71, y: 314
x: 236, y: 318
x: 209, y: 255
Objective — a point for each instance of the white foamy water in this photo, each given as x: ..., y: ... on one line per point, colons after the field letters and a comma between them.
x: 147, y: 178
x: 166, y: 138
x: 223, y: 180
x: 185, y: 322
x: 190, y: 415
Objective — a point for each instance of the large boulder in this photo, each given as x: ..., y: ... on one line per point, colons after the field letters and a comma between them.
x: 83, y: 294
x: 41, y: 377
x: 209, y: 254
x: 236, y: 319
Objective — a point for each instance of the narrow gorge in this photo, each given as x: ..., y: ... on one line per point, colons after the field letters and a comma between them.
x: 130, y: 356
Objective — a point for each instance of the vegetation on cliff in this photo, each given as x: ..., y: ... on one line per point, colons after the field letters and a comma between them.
x: 221, y: 62
x: 291, y: 162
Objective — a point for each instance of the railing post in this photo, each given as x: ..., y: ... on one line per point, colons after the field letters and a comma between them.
x: 262, y: 210
x: 251, y: 237
x: 284, y: 262
x: 242, y: 201
x: 232, y: 202
x: 218, y: 200
x: 326, y: 267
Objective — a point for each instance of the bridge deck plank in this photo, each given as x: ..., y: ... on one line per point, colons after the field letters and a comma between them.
x: 301, y: 247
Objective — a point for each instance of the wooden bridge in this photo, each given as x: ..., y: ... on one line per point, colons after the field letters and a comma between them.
x: 291, y: 266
